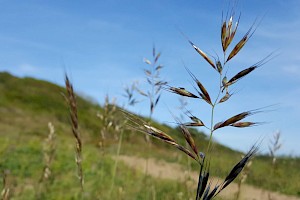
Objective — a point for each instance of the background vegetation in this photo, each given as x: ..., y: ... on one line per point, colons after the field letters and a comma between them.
x: 26, y: 107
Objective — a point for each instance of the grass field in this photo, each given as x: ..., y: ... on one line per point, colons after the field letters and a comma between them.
x: 26, y: 107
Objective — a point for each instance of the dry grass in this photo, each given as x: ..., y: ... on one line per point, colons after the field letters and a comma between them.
x: 71, y: 100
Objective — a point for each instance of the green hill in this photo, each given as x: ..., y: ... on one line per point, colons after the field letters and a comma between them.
x: 27, y: 105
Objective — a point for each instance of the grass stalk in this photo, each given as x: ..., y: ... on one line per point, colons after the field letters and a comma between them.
x: 116, y: 163
x: 71, y: 100
x: 49, y: 148
x: 204, y: 189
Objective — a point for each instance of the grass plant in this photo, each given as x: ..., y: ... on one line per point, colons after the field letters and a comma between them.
x: 49, y: 148
x: 205, y: 189
x: 275, y: 145
x: 22, y: 137
x: 71, y: 100
x: 154, y: 80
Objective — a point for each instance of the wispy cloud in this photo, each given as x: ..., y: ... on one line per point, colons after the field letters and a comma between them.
x: 103, y: 25
x: 27, y: 69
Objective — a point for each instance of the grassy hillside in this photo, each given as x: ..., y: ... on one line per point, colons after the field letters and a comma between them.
x: 26, y: 107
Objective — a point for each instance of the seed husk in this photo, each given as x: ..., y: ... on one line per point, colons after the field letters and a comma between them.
x: 243, y: 124
x: 232, y: 120
x: 225, y: 97
x: 245, y: 72
x: 204, y: 94
x: 203, y: 55
x: 240, y: 75
x: 182, y: 92
x: 227, y: 34
x: 188, y: 137
x: 241, y: 43
x: 219, y: 66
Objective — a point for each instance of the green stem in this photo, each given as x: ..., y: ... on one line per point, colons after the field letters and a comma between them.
x: 116, y: 163
x: 212, y: 116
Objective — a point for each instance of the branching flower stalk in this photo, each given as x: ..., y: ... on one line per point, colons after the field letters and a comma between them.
x: 275, y: 145
x: 154, y: 80
x: 71, y: 100
x: 205, y: 189
x: 107, y: 119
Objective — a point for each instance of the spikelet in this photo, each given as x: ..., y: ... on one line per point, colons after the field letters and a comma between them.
x: 203, y: 55
x: 241, y: 43
x: 182, y: 92
x: 203, y: 92
x: 227, y: 33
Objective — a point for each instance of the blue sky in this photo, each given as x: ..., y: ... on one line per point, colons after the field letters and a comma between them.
x: 101, y: 44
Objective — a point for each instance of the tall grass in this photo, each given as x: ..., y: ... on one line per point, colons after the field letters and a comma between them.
x: 71, y: 100
x: 205, y: 189
x: 49, y: 148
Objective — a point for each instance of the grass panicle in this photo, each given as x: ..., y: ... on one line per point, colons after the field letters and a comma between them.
x: 205, y: 190
x: 108, y: 120
x: 71, y: 100
x: 129, y: 93
x: 275, y: 145
x: 49, y: 148
x: 154, y: 80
